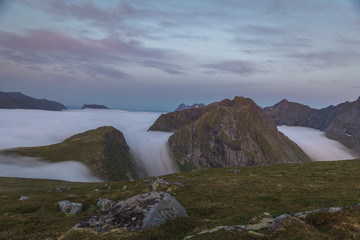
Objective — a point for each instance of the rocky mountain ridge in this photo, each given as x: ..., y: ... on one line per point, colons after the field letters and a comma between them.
x: 228, y: 133
x: 17, y: 100
x: 182, y: 106
x: 340, y: 122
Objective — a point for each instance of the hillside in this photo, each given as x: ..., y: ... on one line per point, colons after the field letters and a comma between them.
x: 212, y: 198
x: 103, y: 150
x: 226, y: 134
x: 340, y: 122
x: 15, y: 100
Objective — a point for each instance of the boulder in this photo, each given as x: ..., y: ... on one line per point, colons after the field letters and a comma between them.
x: 141, y: 211
x: 23, y: 198
x: 104, y: 203
x: 71, y: 208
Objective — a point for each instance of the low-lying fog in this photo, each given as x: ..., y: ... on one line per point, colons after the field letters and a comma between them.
x: 25, y: 128
x: 316, y: 145
x: 22, y: 128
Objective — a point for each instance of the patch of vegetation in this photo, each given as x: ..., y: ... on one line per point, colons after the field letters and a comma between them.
x: 103, y: 150
x: 213, y: 197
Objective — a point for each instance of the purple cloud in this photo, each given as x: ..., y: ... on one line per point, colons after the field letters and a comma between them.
x: 326, y: 59
x: 69, y: 54
x: 166, y: 67
x: 258, y: 30
x: 235, y: 66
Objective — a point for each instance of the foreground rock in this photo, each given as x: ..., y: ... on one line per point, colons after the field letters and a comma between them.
x: 94, y: 106
x: 142, y: 211
x: 104, y: 150
x: 294, y: 226
x: 340, y: 122
x: 17, y: 100
x: 234, y: 133
x: 71, y: 208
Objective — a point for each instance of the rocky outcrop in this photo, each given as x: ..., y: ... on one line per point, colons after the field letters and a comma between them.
x: 340, y: 122
x: 183, y: 106
x: 238, y: 133
x: 139, y: 212
x: 284, y: 221
x: 70, y: 208
x: 104, y: 203
x: 174, y: 120
x: 104, y: 150
x: 94, y: 106
x: 15, y: 100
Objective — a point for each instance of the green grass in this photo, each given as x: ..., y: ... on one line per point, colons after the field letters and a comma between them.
x: 211, y: 197
x: 102, y: 150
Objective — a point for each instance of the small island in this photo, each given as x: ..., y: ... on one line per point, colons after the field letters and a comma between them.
x: 94, y: 106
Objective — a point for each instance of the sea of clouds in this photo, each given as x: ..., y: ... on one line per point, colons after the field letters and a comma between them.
x: 25, y: 128
x: 316, y: 145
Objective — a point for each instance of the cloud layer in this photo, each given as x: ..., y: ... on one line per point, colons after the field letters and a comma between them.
x: 24, y: 128
x: 316, y: 145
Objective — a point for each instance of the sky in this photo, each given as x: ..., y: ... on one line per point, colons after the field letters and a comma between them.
x: 155, y: 54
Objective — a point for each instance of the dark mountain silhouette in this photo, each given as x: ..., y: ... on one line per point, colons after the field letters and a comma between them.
x: 94, y: 106
x: 14, y: 100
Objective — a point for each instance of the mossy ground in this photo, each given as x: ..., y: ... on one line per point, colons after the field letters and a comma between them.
x: 211, y: 197
x: 108, y: 159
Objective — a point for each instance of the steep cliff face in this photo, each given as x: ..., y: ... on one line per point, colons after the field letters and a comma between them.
x: 104, y: 150
x: 340, y: 122
x: 14, y: 100
x: 234, y: 133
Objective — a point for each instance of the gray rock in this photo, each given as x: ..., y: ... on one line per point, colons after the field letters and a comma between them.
x: 71, y: 208
x: 59, y: 190
x: 158, y: 182
x: 278, y: 222
x: 23, y: 198
x: 334, y: 209
x: 104, y: 203
x: 141, y: 211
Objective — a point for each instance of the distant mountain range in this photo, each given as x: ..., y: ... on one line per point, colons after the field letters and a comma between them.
x: 183, y: 106
x: 14, y: 100
x: 340, y: 122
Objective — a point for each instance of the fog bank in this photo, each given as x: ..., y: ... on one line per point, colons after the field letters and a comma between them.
x: 25, y: 167
x: 25, y: 128
x: 316, y: 145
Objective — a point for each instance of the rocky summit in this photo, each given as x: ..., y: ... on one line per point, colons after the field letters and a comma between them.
x: 229, y: 133
x: 17, y: 100
x: 104, y: 150
x: 141, y: 211
x: 183, y: 106
x: 340, y: 122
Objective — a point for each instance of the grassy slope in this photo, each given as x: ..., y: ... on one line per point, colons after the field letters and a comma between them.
x: 211, y: 197
x: 92, y: 149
